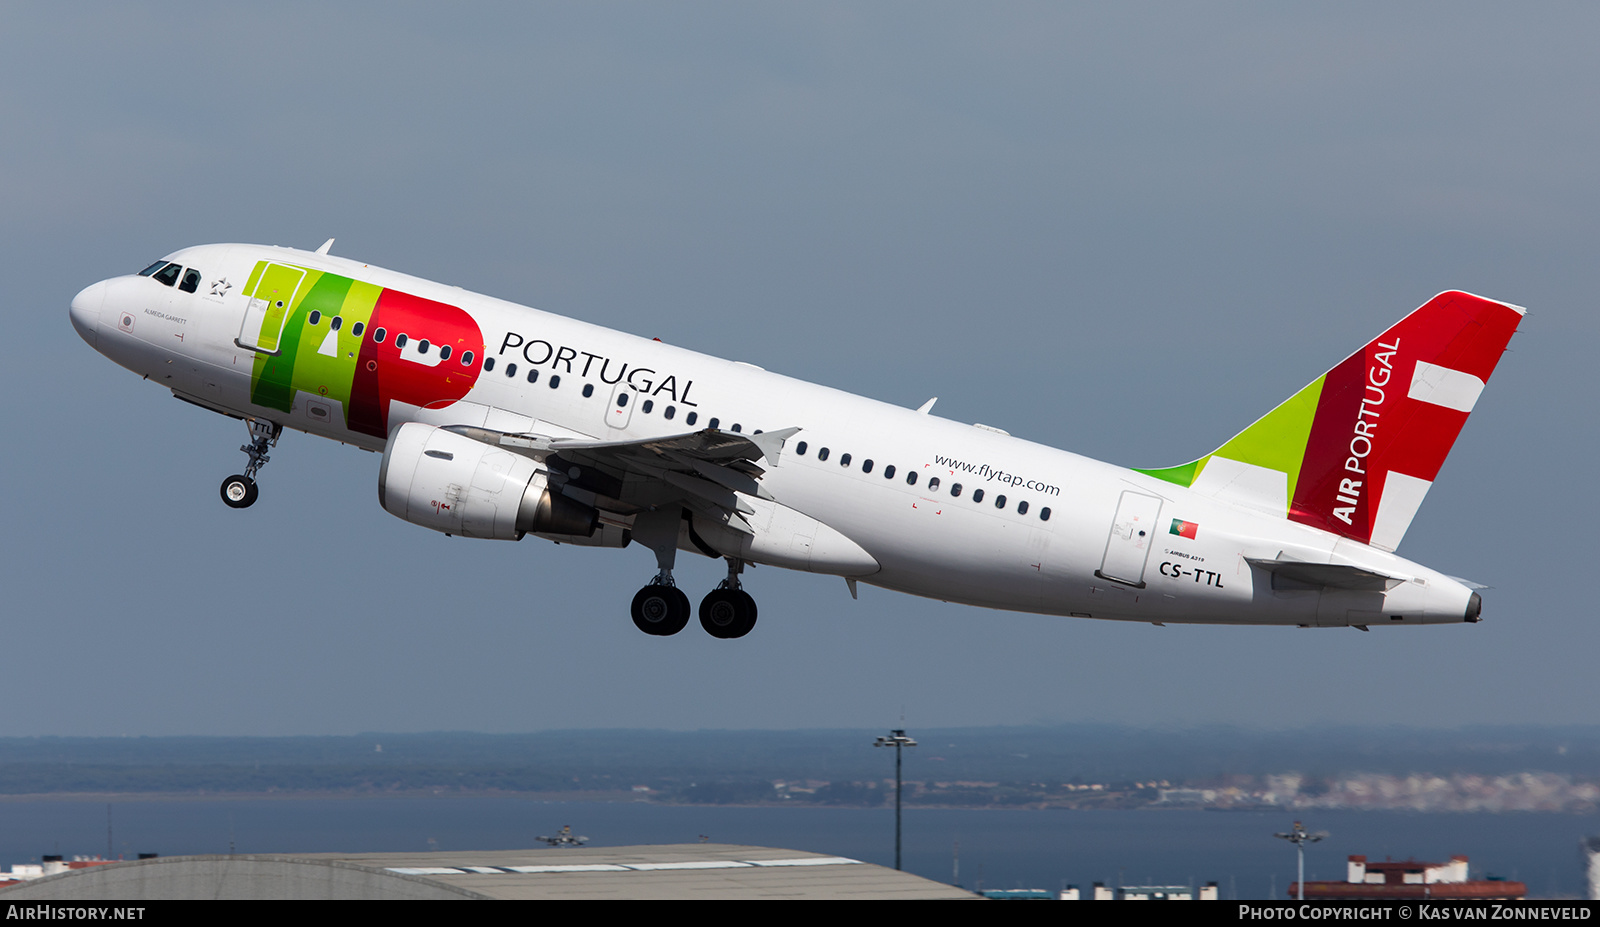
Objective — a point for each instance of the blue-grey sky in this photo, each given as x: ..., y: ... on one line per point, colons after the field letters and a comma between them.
x: 1123, y: 229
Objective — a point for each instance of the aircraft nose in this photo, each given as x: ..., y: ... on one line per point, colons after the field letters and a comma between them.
x: 86, y: 310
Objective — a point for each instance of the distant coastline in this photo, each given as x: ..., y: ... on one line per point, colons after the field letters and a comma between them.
x: 1073, y: 767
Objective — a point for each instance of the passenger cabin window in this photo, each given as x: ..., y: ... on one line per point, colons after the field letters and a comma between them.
x: 999, y: 502
x: 335, y: 322
x: 911, y: 480
x: 511, y: 370
x: 1044, y: 513
x: 422, y: 348
x: 822, y: 454
x: 357, y: 328
x: 444, y: 351
x: 977, y: 495
x: 888, y: 472
x: 378, y: 335
x: 648, y: 405
x: 533, y: 375
x: 955, y: 489
x: 844, y: 460
x: 555, y: 380
x: 400, y: 340
x: 168, y: 275
x: 466, y: 359
x: 691, y: 418
x: 1022, y: 507
x: 866, y: 466
x: 191, y: 281
x: 737, y: 427
x: 800, y: 449
x: 315, y: 317
x: 671, y: 411
x: 622, y: 400
x: 488, y: 362
x: 588, y: 390
x: 715, y: 422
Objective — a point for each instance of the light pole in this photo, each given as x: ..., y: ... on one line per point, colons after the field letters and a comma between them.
x: 896, y: 739
x: 1300, y: 837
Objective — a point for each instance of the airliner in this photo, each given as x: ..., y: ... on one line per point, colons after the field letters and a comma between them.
x: 496, y: 421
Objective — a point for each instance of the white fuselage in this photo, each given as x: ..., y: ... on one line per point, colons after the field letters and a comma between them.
x: 1101, y: 553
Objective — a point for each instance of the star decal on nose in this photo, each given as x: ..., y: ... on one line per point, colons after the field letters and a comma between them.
x: 220, y: 286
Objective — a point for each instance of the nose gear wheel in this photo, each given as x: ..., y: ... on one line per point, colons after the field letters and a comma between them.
x: 239, y: 491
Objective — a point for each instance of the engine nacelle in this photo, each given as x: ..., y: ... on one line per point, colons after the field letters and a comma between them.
x: 453, y: 484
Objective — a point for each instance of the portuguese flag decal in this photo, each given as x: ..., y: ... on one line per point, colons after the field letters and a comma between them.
x: 1184, y: 529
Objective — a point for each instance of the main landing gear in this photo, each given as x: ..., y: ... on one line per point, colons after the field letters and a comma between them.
x: 661, y: 608
x: 726, y: 612
x: 239, y: 491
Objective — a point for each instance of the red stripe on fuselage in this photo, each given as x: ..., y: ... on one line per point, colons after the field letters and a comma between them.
x: 385, y: 374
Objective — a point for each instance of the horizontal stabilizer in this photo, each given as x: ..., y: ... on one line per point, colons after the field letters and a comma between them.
x: 1327, y: 575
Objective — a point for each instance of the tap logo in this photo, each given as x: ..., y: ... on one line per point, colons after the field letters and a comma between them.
x: 358, y: 348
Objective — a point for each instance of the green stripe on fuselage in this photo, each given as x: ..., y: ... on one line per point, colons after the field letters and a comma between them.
x: 315, y: 372
x: 300, y: 365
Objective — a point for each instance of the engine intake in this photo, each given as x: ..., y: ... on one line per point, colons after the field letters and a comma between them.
x: 453, y: 484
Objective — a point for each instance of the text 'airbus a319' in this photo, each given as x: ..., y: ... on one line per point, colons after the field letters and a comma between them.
x: 496, y: 421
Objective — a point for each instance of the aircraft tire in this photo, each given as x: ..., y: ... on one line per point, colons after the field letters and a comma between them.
x: 727, y: 613
x: 239, y: 492
x: 660, y: 610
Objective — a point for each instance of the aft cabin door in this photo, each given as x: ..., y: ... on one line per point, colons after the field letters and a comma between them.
x: 268, y: 308
x: 1132, y: 534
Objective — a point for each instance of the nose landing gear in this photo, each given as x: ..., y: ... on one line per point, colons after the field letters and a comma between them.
x: 239, y: 491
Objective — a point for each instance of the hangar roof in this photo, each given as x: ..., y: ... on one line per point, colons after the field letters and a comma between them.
x: 696, y: 870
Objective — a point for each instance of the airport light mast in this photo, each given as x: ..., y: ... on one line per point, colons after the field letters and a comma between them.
x: 896, y: 739
x: 1299, y: 836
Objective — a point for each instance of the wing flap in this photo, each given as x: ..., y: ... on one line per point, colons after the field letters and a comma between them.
x: 705, y: 471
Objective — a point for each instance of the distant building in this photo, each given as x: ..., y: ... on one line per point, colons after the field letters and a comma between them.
x: 1146, y: 893
x: 49, y: 866
x: 1411, y: 879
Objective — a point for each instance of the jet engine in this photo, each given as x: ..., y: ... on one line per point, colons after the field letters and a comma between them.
x: 448, y: 482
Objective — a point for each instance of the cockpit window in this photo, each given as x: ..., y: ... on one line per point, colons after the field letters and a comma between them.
x: 191, y: 281
x: 152, y: 268
x: 168, y: 275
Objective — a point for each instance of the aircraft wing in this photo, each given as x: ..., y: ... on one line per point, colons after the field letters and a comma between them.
x: 704, y: 471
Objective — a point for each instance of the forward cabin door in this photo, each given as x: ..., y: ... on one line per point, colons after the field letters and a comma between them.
x: 1133, y: 532
x: 268, y: 308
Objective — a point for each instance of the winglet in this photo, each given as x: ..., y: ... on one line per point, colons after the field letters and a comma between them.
x: 771, y: 442
x: 325, y: 246
x: 927, y: 407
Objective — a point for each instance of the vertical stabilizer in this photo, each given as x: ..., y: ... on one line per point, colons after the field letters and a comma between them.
x: 1355, y: 451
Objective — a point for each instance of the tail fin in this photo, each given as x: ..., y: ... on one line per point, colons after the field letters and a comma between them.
x: 1355, y: 451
